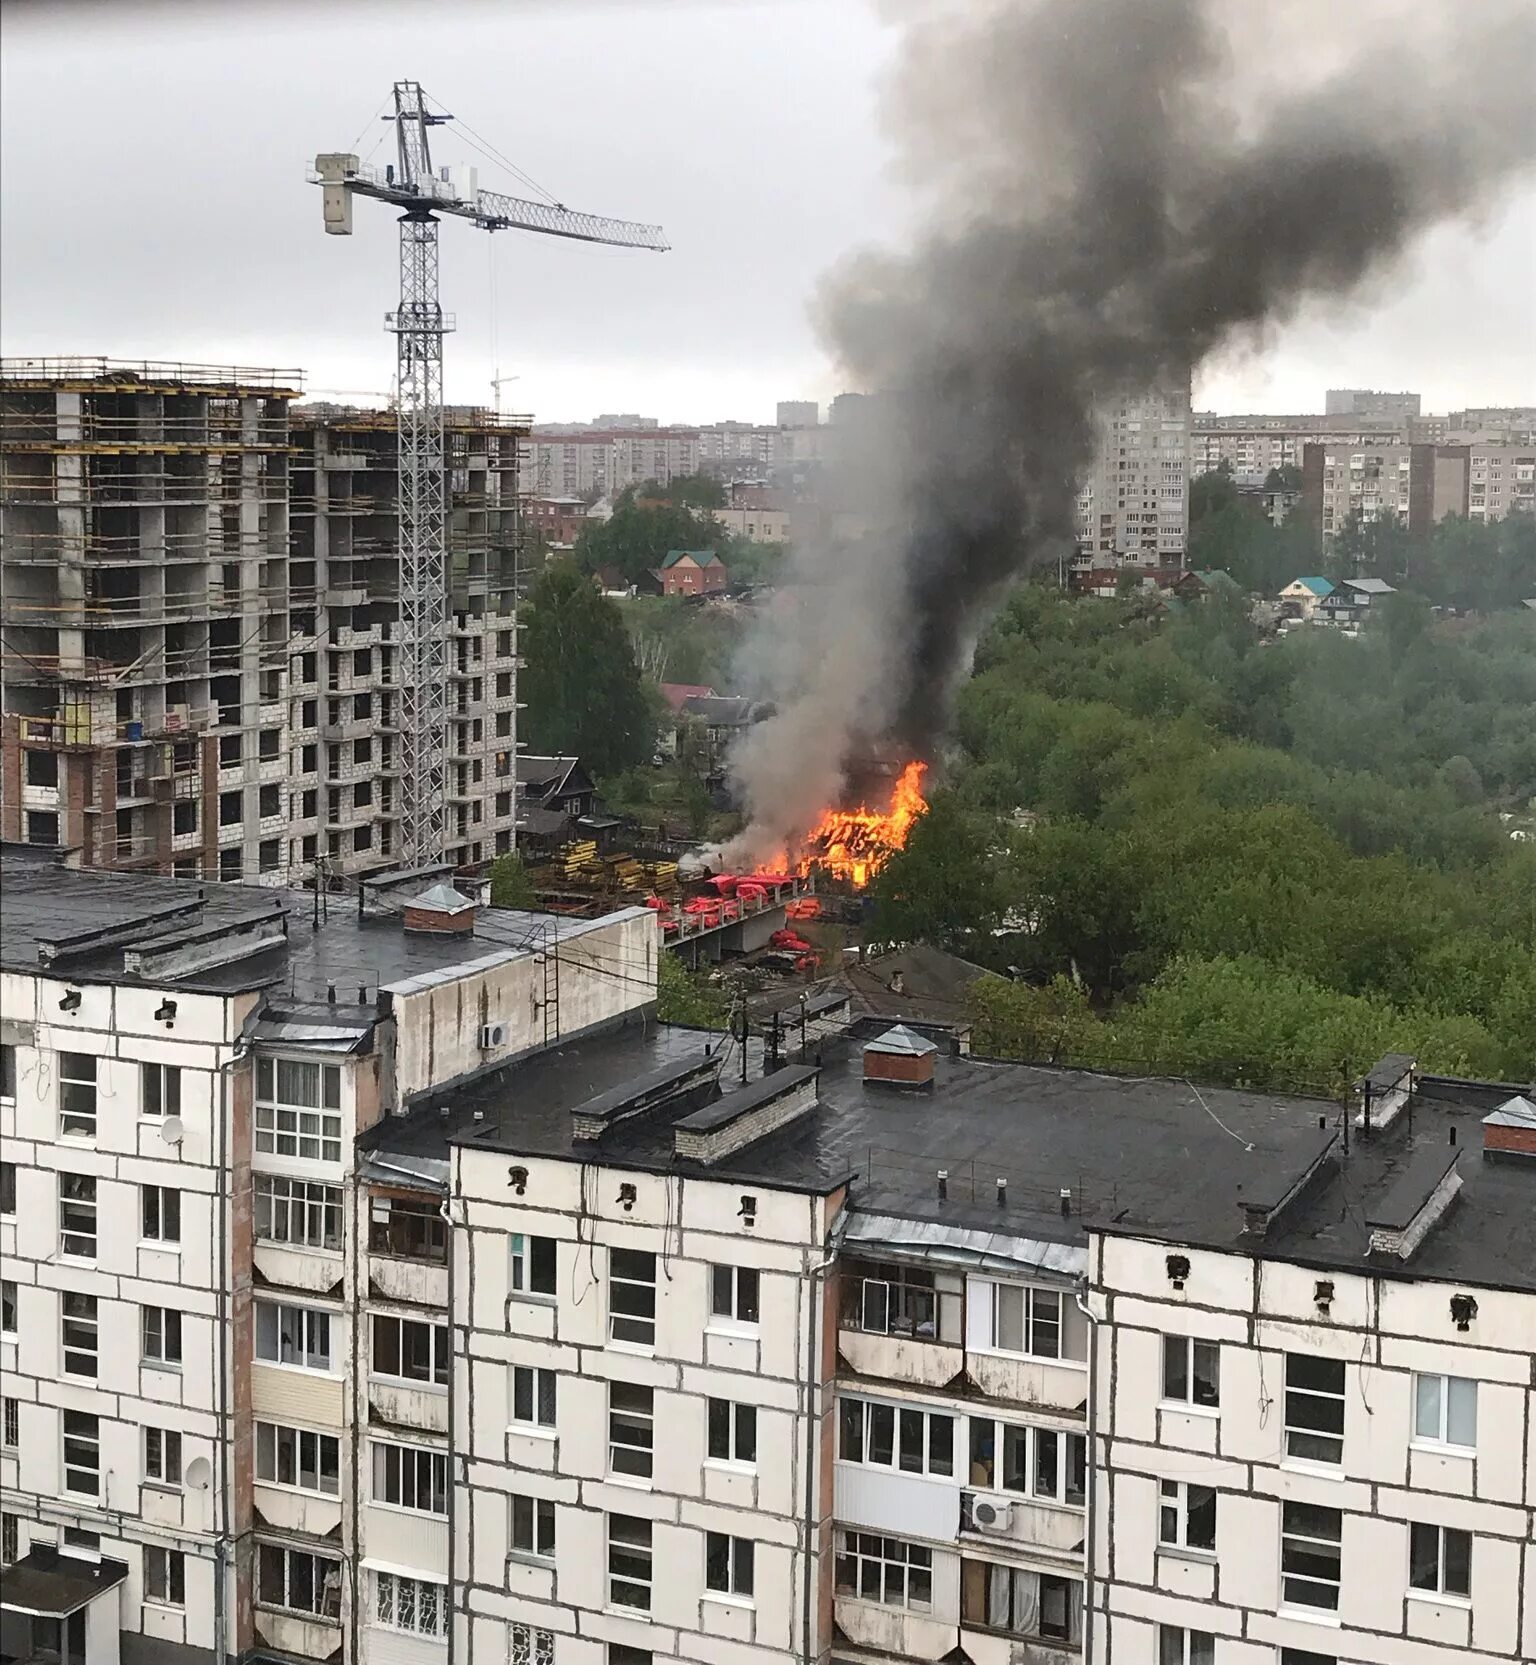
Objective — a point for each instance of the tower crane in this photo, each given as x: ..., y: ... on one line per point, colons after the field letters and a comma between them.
x: 419, y: 325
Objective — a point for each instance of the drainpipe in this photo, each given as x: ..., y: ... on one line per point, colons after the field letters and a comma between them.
x: 812, y: 1421
x: 453, y: 1547
x: 1090, y: 1517
x: 224, y: 1341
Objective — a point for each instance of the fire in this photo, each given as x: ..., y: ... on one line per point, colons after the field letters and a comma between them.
x: 854, y: 844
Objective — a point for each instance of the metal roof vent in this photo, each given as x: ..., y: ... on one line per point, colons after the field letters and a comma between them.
x: 900, y: 1058
x: 1509, y: 1133
x: 442, y: 911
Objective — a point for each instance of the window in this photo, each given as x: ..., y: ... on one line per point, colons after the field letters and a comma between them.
x: 161, y: 1328
x: 298, y: 1109
x: 410, y: 1477
x: 728, y: 1564
x: 293, y: 1335
x: 42, y: 826
x: 734, y: 1291
x: 886, y: 1570
x: 1445, y: 1411
x: 900, y: 1300
x: 532, y: 1646
x: 7, y: 1070
x: 1309, y: 1556
x: 230, y: 809
x: 298, y: 1211
x: 184, y: 816
x: 533, y: 1526
x: 408, y: 1229
x: 1177, y: 1646
x: 78, y: 1325
x: 42, y: 768
x: 161, y: 1209
x: 632, y: 1296
x: 1191, y: 1371
x: 10, y: 1538
x: 165, y: 1576
x: 732, y: 1431
x: 533, y: 1266
x: 82, y: 1453
x: 887, y: 1436
x: 298, y: 1581
x: 297, y: 1457
x: 631, y: 1429
x: 1440, y: 1560
x: 159, y: 1089
x: 1186, y: 1517
x: 7, y: 1187
x: 629, y: 1562
x: 1314, y: 1408
x: 10, y: 1423
x: 77, y: 1094
x: 162, y: 1456
x: 1020, y: 1602
x: 1034, y: 1462
x: 1030, y: 1321
x: 410, y: 1350
x: 77, y: 1215
x: 533, y: 1396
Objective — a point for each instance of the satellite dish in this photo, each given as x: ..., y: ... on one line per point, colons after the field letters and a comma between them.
x: 200, y: 1474
x: 172, y: 1131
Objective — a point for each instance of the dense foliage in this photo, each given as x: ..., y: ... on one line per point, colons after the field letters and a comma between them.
x: 687, y: 997
x: 580, y: 682
x: 650, y: 520
x: 1258, y: 860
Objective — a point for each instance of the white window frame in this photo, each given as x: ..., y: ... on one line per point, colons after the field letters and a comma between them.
x: 1033, y: 1438
x: 1309, y: 1543
x: 1445, y: 1388
x: 295, y: 1128
x: 8, y: 1065
x: 870, y: 1413
x: 325, y: 1581
x: 883, y: 1569
x: 526, y: 1253
x: 78, y: 1205
x: 533, y: 1520
x: 300, y: 1213
x: 740, y: 1429
x: 10, y: 1297
x: 165, y: 1576
x: 1443, y: 1537
x: 73, y: 1106
x: 162, y: 1457
x: 160, y: 1337
x: 160, y: 1215
x: 538, y: 1379
x: 412, y: 1606
x: 87, y: 1442
x: 10, y: 1422
x: 730, y: 1568
x: 413, y: 1478
x: 734, y: 1290
x: 631, y: 1431
x: 1035, y: 1321
x: 1178, y: 1645
x: 1018, y: 1573
x: 1184, y: 1354
x: 1176, y: 1503
x: 529, y: 1645
x: 10, y: 1538
x: 632, y: 1298
x: 632, y: 1537
x: 439, y: 1351
x: 159, y: 1090
x: 1301, y: 1438
x: 307, y: 1325
x: 270, y: 1444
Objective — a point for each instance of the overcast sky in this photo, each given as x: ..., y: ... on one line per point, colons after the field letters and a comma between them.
x: 152, y: 162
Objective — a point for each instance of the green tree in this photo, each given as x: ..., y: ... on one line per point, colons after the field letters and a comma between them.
x: 1287, y: 477
x: 943, y: 886
x: 637, y: 539
x: 580, y: 682
x: 510, y: 885
x: 1211, y: 492
x: 685, y: 997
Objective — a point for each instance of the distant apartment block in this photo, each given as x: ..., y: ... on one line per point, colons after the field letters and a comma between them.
x: 1133, y: 501
x: 200, y: 602
x: 1361, y: 401
x: 798, y: 413
x: 1418, y: 485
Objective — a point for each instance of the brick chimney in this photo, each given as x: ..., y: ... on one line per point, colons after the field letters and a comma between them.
x: 441, y: 911
x: 900, y: 1058
x: 1509, y: 1133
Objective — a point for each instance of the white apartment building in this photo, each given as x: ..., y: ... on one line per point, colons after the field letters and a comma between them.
x: 1133, y: 501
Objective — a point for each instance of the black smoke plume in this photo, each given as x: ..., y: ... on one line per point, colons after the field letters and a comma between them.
x: 1112, y: 192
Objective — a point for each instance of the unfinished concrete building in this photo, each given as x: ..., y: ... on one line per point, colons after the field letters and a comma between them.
x: 200, y: 617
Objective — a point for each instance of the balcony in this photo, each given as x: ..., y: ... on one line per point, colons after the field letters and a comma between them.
x: 902, y: 1324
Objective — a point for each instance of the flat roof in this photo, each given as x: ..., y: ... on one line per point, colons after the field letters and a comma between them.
x: 44, y: 902
x: 1143, y: 1157
x: 50, y: 1584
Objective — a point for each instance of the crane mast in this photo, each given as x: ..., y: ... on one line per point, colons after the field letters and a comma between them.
x: 419, y: 326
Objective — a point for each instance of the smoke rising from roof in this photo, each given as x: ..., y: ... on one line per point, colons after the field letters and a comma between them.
x: 1105, y: 208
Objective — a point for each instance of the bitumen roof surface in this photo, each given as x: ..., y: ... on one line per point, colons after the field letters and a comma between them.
x: 40, y: 902
x: 1148, y: 1157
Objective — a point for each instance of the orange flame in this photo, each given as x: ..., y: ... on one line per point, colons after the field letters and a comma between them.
x: 854, y: 844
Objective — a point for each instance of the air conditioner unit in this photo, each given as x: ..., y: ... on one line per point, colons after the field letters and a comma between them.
x: 990, y: 1513
x: 492, y: 1036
